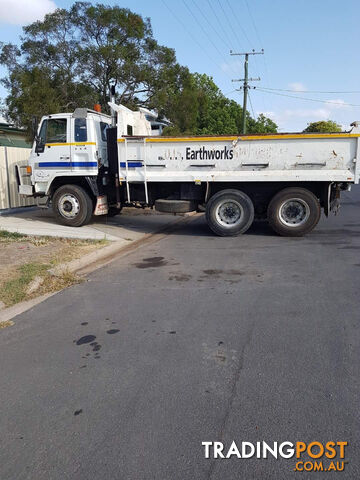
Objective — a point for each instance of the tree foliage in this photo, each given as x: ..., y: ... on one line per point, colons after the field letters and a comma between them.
x: 200, y: 108
x: 323, y: 126
x: 261, y: 125
x: 72, y: 57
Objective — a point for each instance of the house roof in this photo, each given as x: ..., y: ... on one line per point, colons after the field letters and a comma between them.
x: 11, y: 136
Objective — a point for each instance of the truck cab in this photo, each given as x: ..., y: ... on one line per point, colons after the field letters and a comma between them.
x: 67, y: 145
x: 69, y: 163
x: 69, y: 151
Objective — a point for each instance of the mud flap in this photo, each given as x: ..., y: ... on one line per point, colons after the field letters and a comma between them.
x: 101, y: 207
x: 335, y: 199
x: 335, y: 206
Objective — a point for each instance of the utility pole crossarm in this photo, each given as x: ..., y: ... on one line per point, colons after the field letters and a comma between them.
x: 246, y: 81
x: 248, y: 53
x: 249, y: 79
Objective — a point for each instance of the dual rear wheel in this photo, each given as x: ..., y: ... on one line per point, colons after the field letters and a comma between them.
x: 292, y: 212
x: 229, y: 213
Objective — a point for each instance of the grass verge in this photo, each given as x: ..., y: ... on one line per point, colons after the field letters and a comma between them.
x: 31, y: 278
x: 16, y: 290
x: 7, y: 237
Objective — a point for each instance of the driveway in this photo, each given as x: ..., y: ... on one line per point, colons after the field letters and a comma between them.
x: 131, y: 224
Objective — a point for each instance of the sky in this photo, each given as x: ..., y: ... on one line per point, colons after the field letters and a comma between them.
x: 311, y: 49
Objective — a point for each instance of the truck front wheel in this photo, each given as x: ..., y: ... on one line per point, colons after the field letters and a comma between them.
x: 72, y: 206
x: 229, y: 213
x: 294, y: 212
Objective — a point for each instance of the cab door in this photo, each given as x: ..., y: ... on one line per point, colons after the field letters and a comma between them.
x: 53, y: 149
x: 100, y: 132
x: 83, y: 149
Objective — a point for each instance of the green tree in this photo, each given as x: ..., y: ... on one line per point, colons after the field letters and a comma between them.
x: 323, y: 126
x: 72, y: 57
x: 200, y: 108
x: 261, y: 124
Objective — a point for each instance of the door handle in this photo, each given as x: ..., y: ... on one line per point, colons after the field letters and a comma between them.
x: 64, y: 158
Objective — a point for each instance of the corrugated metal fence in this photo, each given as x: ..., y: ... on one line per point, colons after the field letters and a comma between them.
x: 9, y: 197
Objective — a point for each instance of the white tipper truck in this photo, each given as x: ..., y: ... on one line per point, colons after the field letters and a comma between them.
x: 89, y: 163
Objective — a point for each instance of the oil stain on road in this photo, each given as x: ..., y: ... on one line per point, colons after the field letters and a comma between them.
x: 151, y: 262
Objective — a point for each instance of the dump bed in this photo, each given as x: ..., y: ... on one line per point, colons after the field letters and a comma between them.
x: 281, y: 157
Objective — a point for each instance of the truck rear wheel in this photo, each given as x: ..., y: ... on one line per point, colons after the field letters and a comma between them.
x: 72, y: 206
x: 294, y: 212
x: 229, y: 213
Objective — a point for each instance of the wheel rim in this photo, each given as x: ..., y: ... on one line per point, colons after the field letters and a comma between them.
x: 69, y: 206
x: 229, y: 213
x: 294, y: 212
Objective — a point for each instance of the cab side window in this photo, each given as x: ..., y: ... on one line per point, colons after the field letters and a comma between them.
x: 56, y: 130
x: 103, y: 127
x: 80, y: 133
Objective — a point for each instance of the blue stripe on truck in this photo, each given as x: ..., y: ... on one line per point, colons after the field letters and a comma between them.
x: 68, y: 164
x: 131, y: 164
x: 84, y: 164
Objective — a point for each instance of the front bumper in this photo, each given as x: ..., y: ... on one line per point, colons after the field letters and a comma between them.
x: 27, y: 190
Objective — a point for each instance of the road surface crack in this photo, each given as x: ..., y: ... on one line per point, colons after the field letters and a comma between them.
x: 233, y: 392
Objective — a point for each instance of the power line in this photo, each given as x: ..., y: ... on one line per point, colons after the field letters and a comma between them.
x: 266, y: 71
x: 220, y: 23
x: 329, y: 102
x: 212, y: 27
x: 228, y: 93
x: 228, y: 18
x: 251, y: 106
x: 192, y: 36
x: 204, y: 31
x: 202, y: 28
x: 238, y: 23
x: 184, y: 26
x: 257, y: 68
x: 253, y: 22
x: 310, y: 91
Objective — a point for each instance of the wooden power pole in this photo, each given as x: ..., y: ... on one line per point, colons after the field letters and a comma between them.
x: 246, y: 85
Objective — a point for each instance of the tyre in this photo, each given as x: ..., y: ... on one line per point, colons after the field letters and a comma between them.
x: 72, y: 206
x: 294, y: 212
x: 229, y: 213
x: 175, y: 206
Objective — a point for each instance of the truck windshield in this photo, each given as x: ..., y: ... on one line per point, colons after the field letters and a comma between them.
x: 53, y: 131
x: 56, y: 130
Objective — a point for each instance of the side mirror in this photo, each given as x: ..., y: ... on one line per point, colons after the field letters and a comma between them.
x: 34, y: 126
x: 39, y: 145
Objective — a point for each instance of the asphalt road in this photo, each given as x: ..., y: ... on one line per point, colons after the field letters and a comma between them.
x: 192, y: 338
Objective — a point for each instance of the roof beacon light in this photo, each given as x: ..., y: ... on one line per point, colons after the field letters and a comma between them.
x: 97, y: 107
